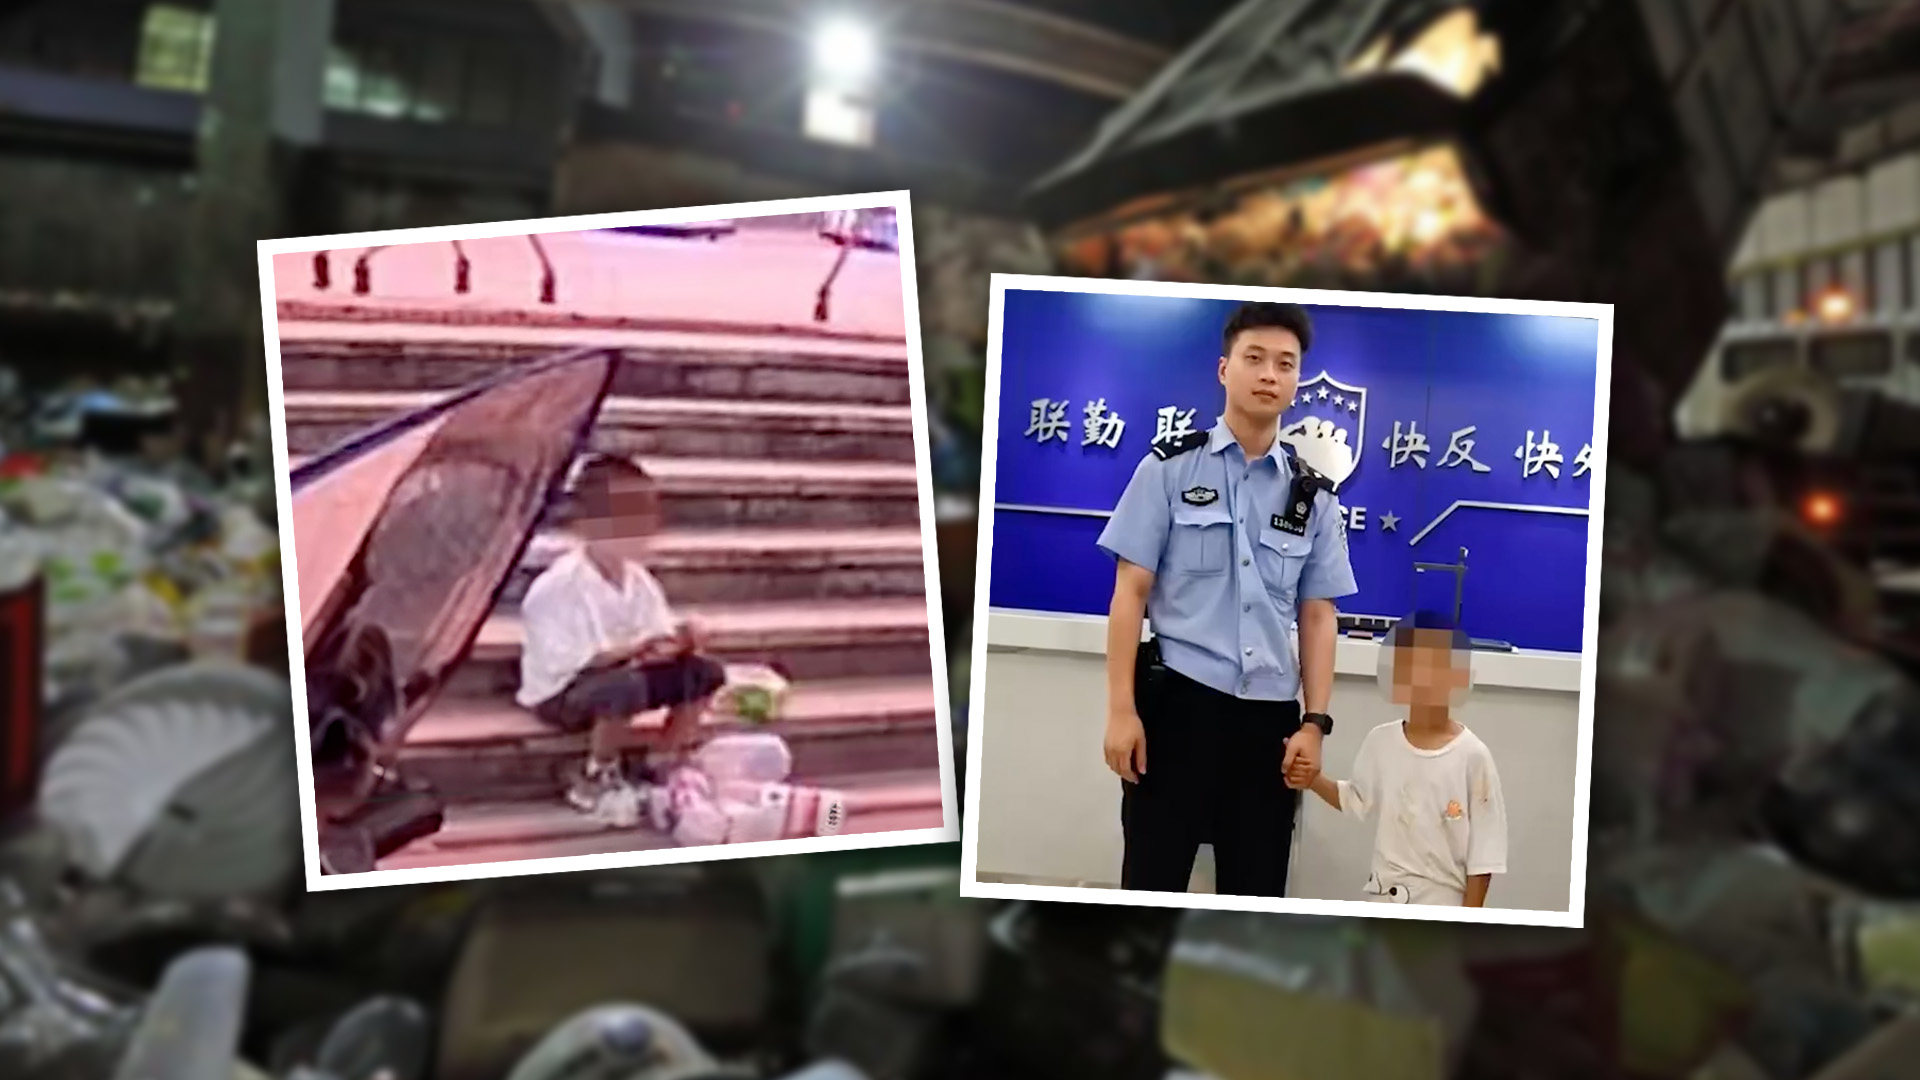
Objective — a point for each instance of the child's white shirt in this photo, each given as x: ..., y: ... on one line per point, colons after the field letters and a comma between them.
x: 1442, y: 817
x: 572, y: 613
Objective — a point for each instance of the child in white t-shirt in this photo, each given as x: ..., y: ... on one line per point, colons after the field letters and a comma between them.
x: 601, y: 644
x: 1430, y: 782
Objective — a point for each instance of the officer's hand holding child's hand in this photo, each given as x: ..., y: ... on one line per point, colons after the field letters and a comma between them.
x: 1303, y: 757
x: 1126, y: 745
x: 1300, y: 776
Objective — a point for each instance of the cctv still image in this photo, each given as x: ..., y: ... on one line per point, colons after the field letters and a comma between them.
x: 641, y: 574
x: 1739, y: 180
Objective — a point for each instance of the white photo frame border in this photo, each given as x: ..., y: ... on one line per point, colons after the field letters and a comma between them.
x: 897, y: 201
x: 970, y: 883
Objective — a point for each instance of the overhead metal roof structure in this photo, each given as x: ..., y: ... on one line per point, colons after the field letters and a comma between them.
x: 1225, y: 104
x: 1619, y: 147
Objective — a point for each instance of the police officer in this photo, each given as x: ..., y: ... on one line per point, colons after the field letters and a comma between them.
x: 1225, y: 541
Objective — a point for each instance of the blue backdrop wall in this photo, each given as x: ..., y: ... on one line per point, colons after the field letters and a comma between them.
x: 1472, y: 430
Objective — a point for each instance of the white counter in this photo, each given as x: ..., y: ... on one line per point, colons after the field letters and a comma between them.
x: 1521, y: 669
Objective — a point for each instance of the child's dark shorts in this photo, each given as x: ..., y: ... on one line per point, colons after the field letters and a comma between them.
x: 618, y: 693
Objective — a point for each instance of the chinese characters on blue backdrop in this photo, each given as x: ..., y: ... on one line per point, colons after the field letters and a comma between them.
x: 1464, y: 430
x: 1537, y: 455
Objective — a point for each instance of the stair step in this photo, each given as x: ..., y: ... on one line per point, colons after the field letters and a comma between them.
x: 821, y: 709
x: 490, y: 748
x: 657, y: 364
x: 748, y: 565
x: 717, y: 492
x: 815, y: 640
x: 319, y: 419
x: 504, y: 831
x: 761, y: 626
x: 732, y: 491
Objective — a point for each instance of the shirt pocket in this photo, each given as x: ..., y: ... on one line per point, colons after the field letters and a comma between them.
x: 1282, y: 557
x: 1200, y: 540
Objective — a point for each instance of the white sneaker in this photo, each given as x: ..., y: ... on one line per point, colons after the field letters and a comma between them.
x: 603, y: 792
x: 620, y: 806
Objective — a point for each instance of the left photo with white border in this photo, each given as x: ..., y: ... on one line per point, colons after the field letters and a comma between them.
x: 608, y: 541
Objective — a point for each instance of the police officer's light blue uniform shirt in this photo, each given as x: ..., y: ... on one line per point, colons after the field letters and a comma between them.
x: 1227, y: 583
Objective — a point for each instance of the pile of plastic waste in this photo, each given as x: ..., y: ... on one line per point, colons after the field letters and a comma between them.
x: 135, y: 562
x: 55, y: 1026
x: 734, y: 790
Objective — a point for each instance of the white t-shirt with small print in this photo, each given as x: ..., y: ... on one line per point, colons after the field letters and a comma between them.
x: 572, y: 613
x: 1442, y: 817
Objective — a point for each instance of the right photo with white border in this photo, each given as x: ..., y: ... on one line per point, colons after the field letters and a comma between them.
x: 1372, y: 518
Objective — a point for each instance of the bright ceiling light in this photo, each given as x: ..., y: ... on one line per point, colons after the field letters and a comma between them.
x: 1836, y: 305
x: 1452, y: 52
x: 1821, y: 508
x: 845, y: 51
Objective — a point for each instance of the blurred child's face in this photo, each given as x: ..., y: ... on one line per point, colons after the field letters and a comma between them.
x: 622, y: 508
x: 1428, y: 670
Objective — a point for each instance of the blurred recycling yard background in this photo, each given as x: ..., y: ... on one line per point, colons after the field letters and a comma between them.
x: 1741, y: 178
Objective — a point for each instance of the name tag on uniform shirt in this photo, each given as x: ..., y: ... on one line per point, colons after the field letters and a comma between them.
x: 1199, y: 496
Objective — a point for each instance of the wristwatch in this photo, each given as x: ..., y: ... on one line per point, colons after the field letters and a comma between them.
x: 1320, y: 720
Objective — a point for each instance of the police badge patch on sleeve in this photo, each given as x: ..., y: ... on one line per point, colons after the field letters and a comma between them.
x: 1199, y: 496
x: 1175, y: 445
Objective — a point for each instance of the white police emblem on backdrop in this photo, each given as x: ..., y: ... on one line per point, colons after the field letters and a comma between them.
x: 1326, y: 424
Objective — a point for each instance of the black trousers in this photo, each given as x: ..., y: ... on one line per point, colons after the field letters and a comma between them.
x: 1213, y: 776
x: 617, y: 693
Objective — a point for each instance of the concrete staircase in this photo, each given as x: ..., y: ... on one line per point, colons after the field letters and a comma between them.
x: 717, y: 368
x: 509, y: 831
x: 787, y: 465
x: 660, y: 427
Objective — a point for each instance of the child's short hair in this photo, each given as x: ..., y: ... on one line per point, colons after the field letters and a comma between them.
x: 595, y: 465
x: 584, y: 493
x: 1402, y: 632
